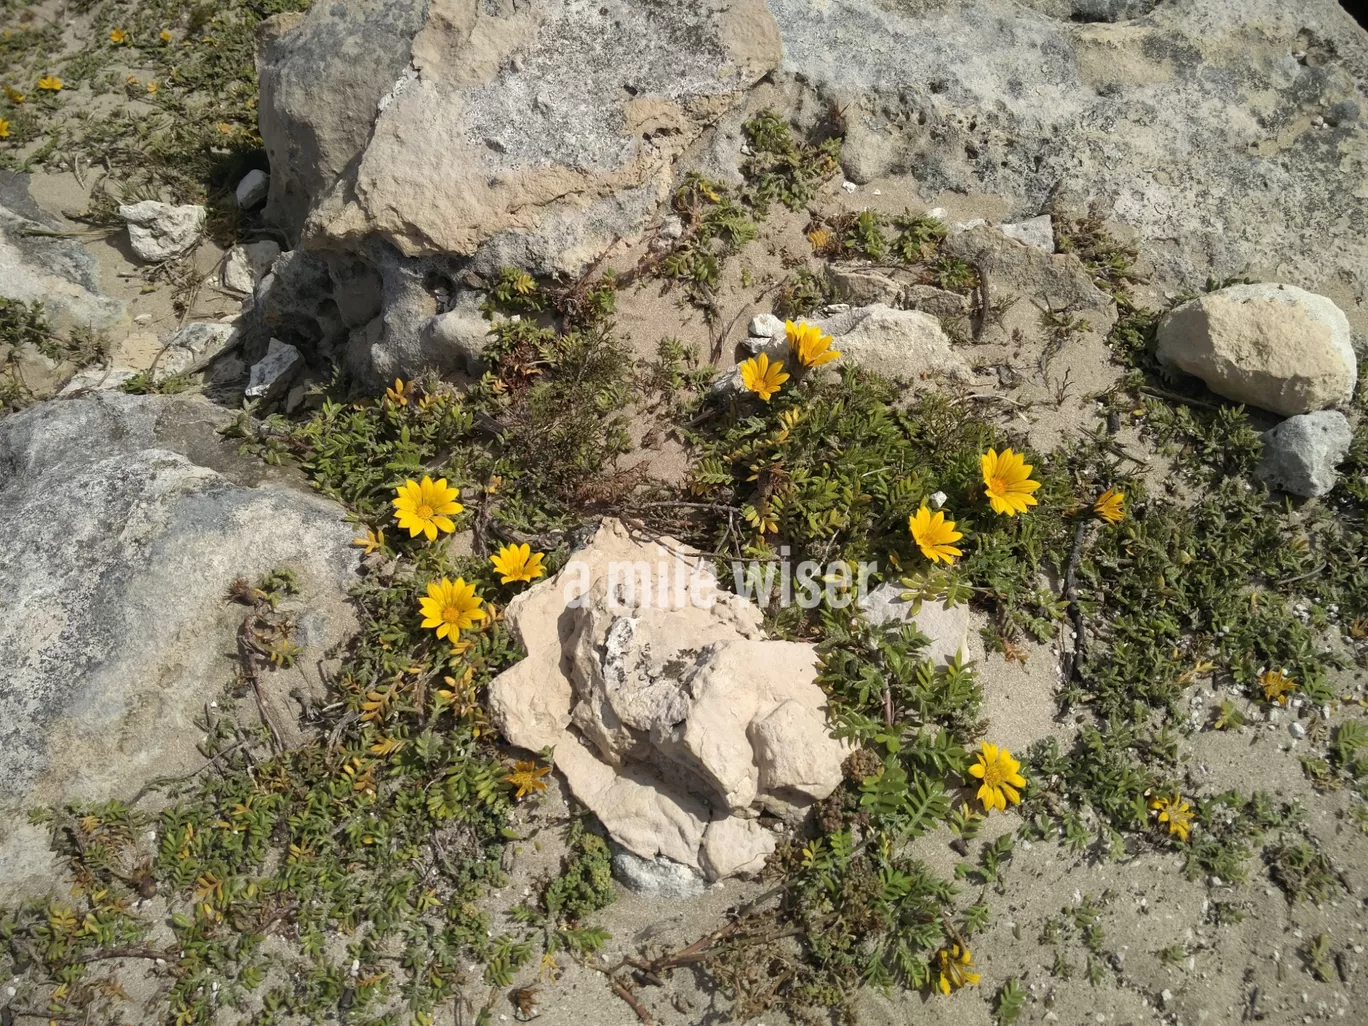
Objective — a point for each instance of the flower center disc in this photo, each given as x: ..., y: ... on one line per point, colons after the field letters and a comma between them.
x: 424, y: 512
x: 997, y: 486
x: 451, y: 614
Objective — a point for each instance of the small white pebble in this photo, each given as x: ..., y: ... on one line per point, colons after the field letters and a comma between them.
x: 1166, y: 998
x: 938, y: 499
x: 11, y: 991
x: 849, y: 186
x: 878, y: 192
x: 1297, y: 729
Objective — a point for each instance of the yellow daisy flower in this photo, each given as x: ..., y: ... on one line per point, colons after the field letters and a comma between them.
x: 809, y: 345
x: 1000, y: 775
x: 451, y: 607
x: 50, y: 84
x: 518, y: 563
x: 13, y: 95
x: 4, y: 129
x: 934, y: 535
x: 956, y: 966
x: 426, y: 507
x: 1111, y: 506
x: 118, y: 37
x: 1007, y: 477
x: 152, y: 88
x: 165, y: 36
x: 527, y: 777
x: 371, y: 541
x: 762, y: 377
x: 1176, y: 813
x: 1276, y: 686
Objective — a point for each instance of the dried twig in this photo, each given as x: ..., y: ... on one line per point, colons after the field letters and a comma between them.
x: 163, y: 781
x: 1159, y: 393
x: 1071, y: 658
x: 248, y: 650
x: 632, y: 1002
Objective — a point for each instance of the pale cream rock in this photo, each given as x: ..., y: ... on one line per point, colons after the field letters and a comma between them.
x: 672, y: 718
x: 1276, y: 347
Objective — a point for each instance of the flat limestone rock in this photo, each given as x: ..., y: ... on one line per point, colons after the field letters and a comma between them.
x: 951, y: 629
x: 1156, y: 115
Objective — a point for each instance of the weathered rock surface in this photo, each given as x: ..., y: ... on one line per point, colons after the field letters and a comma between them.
x: 1036, y: 231
x: 906, y: 344
x: 56, y: 272
x: 1227, y: 133
x: 428, y: 144
x: 556, y: 123
x: 116, y: 630
x: 425, y: 143
x: 864, y: 286
x: 322, y: 77
x: 195, y: 345
x: 951, y: 629
x: 1277, y: 347
x: 160, y: 231
x: 677, y: 724
x: 1032, y: 278
x: 455, y: 339
x: 247, y: 264
x: 658, y: 877
x: 1302, y: 453
x: 271, y: 375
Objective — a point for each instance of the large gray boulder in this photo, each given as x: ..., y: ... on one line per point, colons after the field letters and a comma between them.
x: 126, y: 520
x: 322, y: 76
